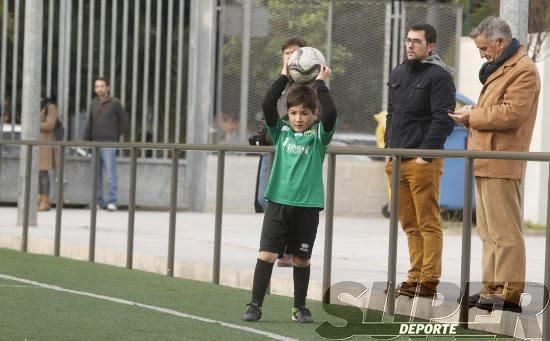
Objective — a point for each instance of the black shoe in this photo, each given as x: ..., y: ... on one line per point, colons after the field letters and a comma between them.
x: 401, y: 287
x: 472, y: 300
x: 253, y: 313
x: 495, y: 302
x: 302, y: 315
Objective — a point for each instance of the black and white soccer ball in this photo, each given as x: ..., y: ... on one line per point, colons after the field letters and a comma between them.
x: 304, y: 64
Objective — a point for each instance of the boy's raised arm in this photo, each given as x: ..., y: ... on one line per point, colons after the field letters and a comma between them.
x: 328, y: 112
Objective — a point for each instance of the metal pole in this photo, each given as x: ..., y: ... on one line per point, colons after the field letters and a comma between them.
x: 78, y: 85
x: 466, y: 241
x: 546, y: 314
x: 168, y: 79
x: 90, y: 86
x: 329, y: 35
x: 392, y: 251
x: 30, y: 99
x: 112, y: 69
x: 135, y: 71
x: 15, y: 60
x: 216, y: 136
x: 173, y: 208
x: 102, y: 20
x: 245, y: 70
x: 26, y: 200
x: 218, y: 222
x: 147, y: 43
x: 49, y: 65
x: 181, y: 43
x: 131, y: 208
x: 67, y: 63
x: 158, y: 46
x: 60, y: 58
x: 93, y: 213
x: 3, y: 59
x: 329, y: 223
x: 124, y: 52
x: 516, y: 12
x: 60, y: 173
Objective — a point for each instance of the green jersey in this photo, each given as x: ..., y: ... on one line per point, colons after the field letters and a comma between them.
x: 297, y: 174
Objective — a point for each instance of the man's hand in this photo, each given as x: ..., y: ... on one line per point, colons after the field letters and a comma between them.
x: 324, y: 73
x: 284, y: 71
x: 420, y: 161
x: 462, y: 116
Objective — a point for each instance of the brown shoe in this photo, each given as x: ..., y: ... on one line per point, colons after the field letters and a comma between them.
x: 403, y: 286
x: 421, y: 290
x: 44, y: 204
x: 285, y: 261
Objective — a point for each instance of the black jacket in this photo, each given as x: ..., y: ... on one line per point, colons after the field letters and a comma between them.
x: 107, y: 120
x: 420, y: 98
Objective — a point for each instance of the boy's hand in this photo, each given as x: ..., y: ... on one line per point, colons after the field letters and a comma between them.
x: 324, y: 73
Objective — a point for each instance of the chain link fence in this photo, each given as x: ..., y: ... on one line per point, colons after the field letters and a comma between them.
x: 355, y: 36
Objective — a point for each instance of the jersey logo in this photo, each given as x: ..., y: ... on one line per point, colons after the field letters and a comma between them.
x: 304, y: 247
x: 310, y: 132
x: 285, y: 128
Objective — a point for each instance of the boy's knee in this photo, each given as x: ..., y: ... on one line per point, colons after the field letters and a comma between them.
x: 300, y: 262
x: 269, y: 257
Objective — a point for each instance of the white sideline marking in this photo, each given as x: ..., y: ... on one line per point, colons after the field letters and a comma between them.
x: 151, y: 307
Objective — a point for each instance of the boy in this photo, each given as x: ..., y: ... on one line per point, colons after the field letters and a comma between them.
x: 295, y: 192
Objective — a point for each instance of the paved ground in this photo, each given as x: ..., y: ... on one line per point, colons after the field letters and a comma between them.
x: 360, y: 246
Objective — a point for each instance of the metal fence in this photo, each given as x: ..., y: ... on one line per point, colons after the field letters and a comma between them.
x: 357, y: 38
x: 137, y: 45
x: 332, y: 152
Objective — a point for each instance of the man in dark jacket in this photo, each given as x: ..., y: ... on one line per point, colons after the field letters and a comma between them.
x: 107, y: 121
x: 421, y: 95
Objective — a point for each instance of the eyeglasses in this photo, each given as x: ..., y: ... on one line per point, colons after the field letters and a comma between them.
x: 414, y: 42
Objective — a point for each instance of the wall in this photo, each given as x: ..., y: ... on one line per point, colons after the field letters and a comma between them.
x: 360, y: 187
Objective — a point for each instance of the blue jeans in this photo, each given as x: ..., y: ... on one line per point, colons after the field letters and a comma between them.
x: 265, y: 169
x: 107, y: 161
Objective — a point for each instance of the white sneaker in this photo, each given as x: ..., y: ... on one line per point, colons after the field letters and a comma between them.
x: 111, y: 207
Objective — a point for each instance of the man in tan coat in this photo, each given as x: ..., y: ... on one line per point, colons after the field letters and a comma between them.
x: 502, y: 120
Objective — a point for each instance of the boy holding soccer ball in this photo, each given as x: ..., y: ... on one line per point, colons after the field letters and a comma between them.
x: 295, y: 192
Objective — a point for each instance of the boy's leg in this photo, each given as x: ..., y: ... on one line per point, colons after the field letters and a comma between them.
x: 300, y: 245
x: 272, y: 242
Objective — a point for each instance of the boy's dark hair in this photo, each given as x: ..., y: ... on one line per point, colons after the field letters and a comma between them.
x: 102, y: 79
x: 302, y: 94
x: 429, y: 31
x: 293, y: 41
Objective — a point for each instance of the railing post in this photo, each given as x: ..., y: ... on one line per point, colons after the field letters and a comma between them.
x: 93, y: 213
x: 218, y: 221
x: 392, y: 250
x: 329, y: 224
x: 466, y: 241
x: 60, y: 172
x: 173, y: 207
x: 26, y: 199
x: 131, y: 209
x: 546, y: 313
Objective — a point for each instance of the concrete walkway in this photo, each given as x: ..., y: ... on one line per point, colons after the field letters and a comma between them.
x: 360, y: 246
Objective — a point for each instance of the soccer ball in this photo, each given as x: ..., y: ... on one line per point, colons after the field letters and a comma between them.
x: 304, y: 64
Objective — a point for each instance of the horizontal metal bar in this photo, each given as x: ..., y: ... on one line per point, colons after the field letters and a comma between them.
x: 524, y: 156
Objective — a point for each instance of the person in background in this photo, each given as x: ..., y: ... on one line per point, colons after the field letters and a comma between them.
x: 421, y: 95
x: 107, y: 121
x: 502, y: 120
x: 46, y: 163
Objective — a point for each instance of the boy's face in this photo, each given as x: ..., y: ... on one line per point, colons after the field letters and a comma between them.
x: 301, y: 118
x: 288, y: 51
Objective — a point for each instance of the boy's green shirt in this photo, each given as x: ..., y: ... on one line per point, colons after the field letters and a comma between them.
x: 297, y: 173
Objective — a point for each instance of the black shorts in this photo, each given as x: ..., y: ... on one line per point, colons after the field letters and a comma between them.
x: 290, y: 227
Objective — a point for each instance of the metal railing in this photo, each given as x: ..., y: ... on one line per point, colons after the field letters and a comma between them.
x: 332, y: 152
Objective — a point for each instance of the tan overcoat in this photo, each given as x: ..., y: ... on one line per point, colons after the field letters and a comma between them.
x: 47, y: 125
x: 505, y: 116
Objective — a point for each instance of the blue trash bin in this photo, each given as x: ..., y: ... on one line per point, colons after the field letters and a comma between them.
x: 451, y: 196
